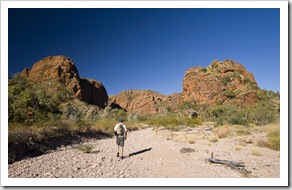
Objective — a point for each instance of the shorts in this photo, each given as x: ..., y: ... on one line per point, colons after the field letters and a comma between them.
x: 120, y: 140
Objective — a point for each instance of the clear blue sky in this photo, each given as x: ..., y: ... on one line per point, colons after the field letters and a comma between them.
x: 147, y: 49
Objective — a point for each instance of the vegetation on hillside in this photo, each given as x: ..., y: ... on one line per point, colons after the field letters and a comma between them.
x: 42, y: 110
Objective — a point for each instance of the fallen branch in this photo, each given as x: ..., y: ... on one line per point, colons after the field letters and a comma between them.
x: 239, y: 166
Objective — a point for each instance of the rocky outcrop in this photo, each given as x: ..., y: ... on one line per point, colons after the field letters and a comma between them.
x: 92, y: 92
x: 145, y: 101
x: 63, y: 70
x: 225, y: 82
x: 139, y: 101
x: 222, y: 82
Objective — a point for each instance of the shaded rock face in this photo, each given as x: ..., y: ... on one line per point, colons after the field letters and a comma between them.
x: 92, y: 92
x: 63, y: 70
x: 222, y: 82
x: 145, y: 101
x: 139, y: 101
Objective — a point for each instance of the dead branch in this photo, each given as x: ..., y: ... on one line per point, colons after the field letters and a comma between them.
x: 239, y: 166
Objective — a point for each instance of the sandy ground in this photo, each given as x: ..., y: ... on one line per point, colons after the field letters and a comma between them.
x: 152, y: 154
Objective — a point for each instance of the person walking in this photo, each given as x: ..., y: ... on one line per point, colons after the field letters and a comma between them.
x: 120, y: 131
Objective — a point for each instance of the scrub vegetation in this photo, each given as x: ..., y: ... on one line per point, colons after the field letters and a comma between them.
x: 40, y: 111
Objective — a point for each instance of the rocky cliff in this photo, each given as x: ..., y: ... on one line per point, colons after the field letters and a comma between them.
x: 139, y: 101
x: 222, y: 81
x: 63, y: 70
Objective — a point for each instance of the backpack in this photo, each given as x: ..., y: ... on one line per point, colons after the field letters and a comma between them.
x: 120, y: 129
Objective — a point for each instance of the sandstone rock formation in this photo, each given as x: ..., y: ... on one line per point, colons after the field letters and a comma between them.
x: 222, y: 82
x: 139, y: 101
x: 63, y: 70
x: 145, y: 101
x: 225, y: 82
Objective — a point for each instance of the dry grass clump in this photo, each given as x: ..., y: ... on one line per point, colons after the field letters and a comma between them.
x: 272, y: 138
x: 262, y: 143
x: 222, y: 132
x: 182, y: 137
x: 232, y: 130
x: 214, y: 139
x: 237, y: 148
x: 190, y: 138
x: 241, y: 130
x: 19, y: 132
x: 105, y: 126
x: 86, y: 148
x: 256, y: 153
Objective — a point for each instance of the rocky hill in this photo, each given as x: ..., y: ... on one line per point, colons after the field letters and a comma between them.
x: 225, y: 82
x: 63, y: 70
x: 222, y: 82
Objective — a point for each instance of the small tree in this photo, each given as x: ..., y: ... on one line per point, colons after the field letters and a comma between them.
x: 263, y: 112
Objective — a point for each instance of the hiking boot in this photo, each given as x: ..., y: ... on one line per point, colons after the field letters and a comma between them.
x: 117, y: 154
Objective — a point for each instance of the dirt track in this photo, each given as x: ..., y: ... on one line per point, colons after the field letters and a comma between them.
x: 150, y: 154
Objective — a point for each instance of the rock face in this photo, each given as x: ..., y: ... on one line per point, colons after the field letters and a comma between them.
x: 63, y: 70
x: 222, y: 82
x: 139, y: 101
x: 225, y: 82
x: 145, y: 101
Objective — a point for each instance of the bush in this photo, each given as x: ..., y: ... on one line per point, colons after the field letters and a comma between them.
x: 230, y: 94
x: 263, y: 113
x: 34, y: 102
x: 229, y: 114
x: 274, y: 138
x: 227, y: 79
x: 113, y: 114
x: 187, y: 106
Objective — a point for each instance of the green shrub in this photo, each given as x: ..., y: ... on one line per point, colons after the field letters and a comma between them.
x: 230, y: 94
x: 229, y: 114
x: 215, y: 65
x: 204, y: 70
x: 263, y: 112
x: 227, y: 79
x: 34, y: 102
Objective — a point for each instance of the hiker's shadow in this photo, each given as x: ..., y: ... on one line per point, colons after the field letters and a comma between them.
x: 139, y: 152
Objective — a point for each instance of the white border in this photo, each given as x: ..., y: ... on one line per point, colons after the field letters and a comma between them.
x: 282, y: 181
x: 143, y: 4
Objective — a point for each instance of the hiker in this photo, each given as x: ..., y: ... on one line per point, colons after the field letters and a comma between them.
x: 120, y: 131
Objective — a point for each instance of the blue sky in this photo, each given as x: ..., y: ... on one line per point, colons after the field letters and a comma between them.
x: 147, y: 49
